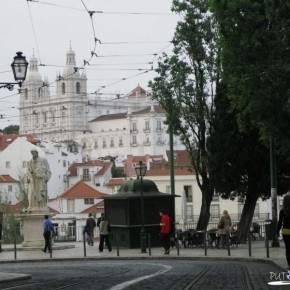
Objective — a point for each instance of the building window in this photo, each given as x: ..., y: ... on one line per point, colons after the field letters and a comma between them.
x: 63, y: 88
x: 86, y: 174
x: 78, y: 88
x: 257, y: 211
x: 52, y: 114
x: 240, y: 209
x: 134, y: 127
x: 215, y: 211
x: 96, y: 144
x: 112, y: 143
x: 9, y: 188
x: 39, y: 92
x: 188, y: 192
x: 7, y: 164
x: 134, y: 140
x: 189, y: 212
x: 147, y: 125
x: 26, y: 94
x: 104, y: 144
x: 63, y: 117
x: 158, y: 126
x: 64, y: 163
x: 71, y: 205
x: 25, y: 120
x: 120, y: 142
x: 89, y: 201
x: 24, y: 164
x: 44, y: 117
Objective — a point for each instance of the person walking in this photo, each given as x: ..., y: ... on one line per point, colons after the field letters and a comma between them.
x: 48, y: 231
x: 100, y: 219
x: 90, y: 227
x: 224, y: 227
x: 165, y: 231
x: 284, y: 223
x: 0, y: 235
x: 104, y: 234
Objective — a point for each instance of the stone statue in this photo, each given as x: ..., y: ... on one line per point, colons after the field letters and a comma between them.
x: 38, y: 174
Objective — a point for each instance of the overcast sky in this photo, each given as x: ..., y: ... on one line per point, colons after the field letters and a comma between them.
x: 130, y: 32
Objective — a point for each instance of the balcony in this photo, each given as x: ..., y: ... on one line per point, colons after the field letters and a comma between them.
x: 147, y: 143
x: 135, y: 131
x: 133, y: 144
x: 146, y: 130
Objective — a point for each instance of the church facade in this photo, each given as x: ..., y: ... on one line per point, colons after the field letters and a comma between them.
x: 132, y: 124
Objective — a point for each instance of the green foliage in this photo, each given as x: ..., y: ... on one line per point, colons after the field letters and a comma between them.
x: 254, y: 41
x: 11, y: 129
x: 185, y: 88
x: 11, y: 230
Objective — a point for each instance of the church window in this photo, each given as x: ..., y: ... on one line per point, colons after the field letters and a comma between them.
x: 52, y: 116
x: 63, y: 88
x: 147, y: 125
x: 78, y: 87
x: 44, y: 117
x: 63, y: 117
x: 39, y: 92
x: 26, y: 94
x: 25, y: 120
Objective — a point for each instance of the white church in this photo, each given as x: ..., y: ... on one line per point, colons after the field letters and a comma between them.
x: 125, y: 125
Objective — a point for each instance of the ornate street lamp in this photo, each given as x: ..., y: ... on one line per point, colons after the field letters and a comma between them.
x: 141, y: 172
x: 19, y: 68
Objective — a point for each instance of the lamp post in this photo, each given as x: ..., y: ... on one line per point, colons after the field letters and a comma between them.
x: 19, y: 68
x: 141, y: 172
x: 273, y: 175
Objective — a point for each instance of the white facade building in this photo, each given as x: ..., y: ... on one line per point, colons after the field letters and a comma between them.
x: 116, y: 126
x: 14, y: 158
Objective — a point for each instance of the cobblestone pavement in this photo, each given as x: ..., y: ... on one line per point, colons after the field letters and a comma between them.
x: 239, y: 258
x: 143, y: 274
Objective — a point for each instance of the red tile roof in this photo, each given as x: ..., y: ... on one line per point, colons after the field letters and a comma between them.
x: 115, y: 181
x: 7, y: 139
x: 96, y: 208
x: 106, y: 167
x: 166, y: 172
x: 137, y: 91
x: 7, y: 178
x: 82, y: 190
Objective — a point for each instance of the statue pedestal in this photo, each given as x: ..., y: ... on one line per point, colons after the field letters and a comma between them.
x: 33, y: 229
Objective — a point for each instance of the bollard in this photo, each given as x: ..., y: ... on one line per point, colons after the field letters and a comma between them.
x: 117, y: 244
x: 177, y: 245
x: 15, y: 249
x: 267, y: 246
x: 228, y: 243
x: 149, y: 244
x: 50, y: 247
x: 250, y: 244
x: 204, y: 243
x: 84, y: 242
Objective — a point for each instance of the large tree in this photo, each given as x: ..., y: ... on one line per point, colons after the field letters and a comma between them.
x: 185, y: 88
x: 254, y: 38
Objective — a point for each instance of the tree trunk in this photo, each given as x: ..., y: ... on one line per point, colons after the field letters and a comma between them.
x: 207, y: 193
x: 247, y: 216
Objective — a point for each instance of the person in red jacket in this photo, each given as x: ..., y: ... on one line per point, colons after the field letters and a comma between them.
x: 165, y: 231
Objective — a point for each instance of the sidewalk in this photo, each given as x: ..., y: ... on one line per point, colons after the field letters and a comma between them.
x: 75, y: 250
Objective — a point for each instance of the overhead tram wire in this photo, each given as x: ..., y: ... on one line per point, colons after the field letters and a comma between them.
x: 34, y: 34
x: 103, y: 12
